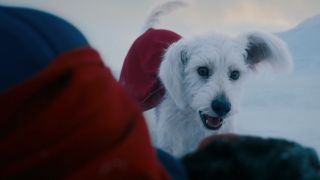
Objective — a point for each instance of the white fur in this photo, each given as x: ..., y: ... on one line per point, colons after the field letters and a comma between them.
x: 178, y: 128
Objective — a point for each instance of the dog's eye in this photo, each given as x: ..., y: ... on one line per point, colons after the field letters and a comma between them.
x: 203, y: 71
x: 234, y: 75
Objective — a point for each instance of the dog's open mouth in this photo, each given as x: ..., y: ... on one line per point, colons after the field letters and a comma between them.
x: 210, y: 122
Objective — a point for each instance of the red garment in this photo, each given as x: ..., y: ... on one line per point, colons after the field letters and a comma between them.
x: 139, y: 74
x: 74, y: 121
x: 217, y: 137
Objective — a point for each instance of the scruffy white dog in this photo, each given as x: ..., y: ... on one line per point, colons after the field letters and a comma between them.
x: 202, y: 76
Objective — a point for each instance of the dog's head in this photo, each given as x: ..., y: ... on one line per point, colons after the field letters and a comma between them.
x: 206, y: 72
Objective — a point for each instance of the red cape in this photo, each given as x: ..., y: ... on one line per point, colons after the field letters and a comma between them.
x: 139, y: 74
x: 74, y: 121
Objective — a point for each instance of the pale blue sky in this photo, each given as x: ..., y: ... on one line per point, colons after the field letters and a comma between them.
x: 112, y: 25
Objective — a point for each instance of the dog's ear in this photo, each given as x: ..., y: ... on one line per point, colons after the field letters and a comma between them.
x: 264, y: 48
x: 171, y: 73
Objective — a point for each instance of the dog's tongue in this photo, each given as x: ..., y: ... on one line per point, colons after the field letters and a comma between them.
x: 214, y: 122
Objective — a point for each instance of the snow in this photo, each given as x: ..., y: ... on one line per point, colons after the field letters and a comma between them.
x: 288, y: 106
x: 282, y: 107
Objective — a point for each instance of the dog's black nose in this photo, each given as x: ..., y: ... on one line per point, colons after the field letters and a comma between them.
x: 221, y: 105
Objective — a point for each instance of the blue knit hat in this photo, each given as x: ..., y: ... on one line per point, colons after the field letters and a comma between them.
x: 30, y: 40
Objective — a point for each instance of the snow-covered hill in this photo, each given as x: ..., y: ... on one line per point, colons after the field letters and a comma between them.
x: 304, y: 39
x: 288, y: 106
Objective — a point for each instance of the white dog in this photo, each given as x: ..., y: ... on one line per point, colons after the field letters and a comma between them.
x: 202, y: 76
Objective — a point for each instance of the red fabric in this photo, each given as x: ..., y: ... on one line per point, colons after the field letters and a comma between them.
x: 74, y: 121
x: 139, y: 74
x: 218, y: 137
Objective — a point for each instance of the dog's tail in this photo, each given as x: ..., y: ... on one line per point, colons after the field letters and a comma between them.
x: 161, y: 10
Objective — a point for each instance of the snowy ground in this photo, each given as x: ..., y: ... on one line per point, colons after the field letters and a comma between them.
x: 284, y: 106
